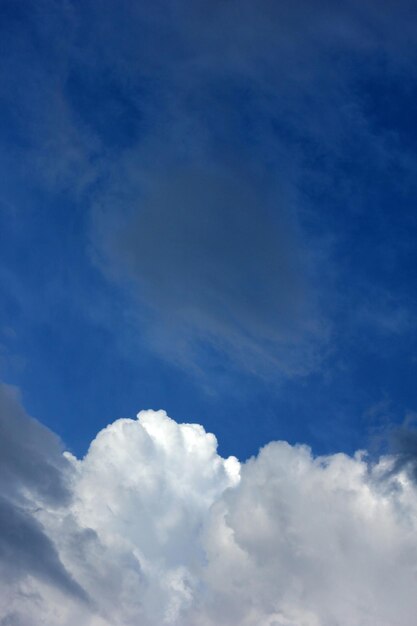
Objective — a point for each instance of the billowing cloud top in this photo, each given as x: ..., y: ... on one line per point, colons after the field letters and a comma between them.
x: 153, y: 527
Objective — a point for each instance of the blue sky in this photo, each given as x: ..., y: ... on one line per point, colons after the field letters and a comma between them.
x: 210, y: 209
x: 208, y: 272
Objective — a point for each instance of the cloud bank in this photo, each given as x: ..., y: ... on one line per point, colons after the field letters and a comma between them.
x: 152, y: 526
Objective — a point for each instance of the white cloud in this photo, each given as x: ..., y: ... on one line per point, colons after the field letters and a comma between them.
x: 161, y: 530
x: 146, y: 487
x: 309, y: 542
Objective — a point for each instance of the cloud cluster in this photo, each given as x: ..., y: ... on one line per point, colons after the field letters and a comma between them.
x: 154, y: 527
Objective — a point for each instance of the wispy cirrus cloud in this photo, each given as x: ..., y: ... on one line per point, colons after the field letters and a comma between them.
x: 217, y: 259
x: 268, y: 114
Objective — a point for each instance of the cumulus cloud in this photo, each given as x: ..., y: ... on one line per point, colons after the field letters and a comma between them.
x: 309, y: 542
x: 33, y: 477
x: 159, y: 529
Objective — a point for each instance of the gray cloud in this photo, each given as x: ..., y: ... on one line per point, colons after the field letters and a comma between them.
x: 25, y: 550
x: 13, y: 619
x: 34, y: 476
x: 404, y: 447
x: 30, y: 454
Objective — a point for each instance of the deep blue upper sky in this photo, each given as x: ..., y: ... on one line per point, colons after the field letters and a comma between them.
x: 210, y: 208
